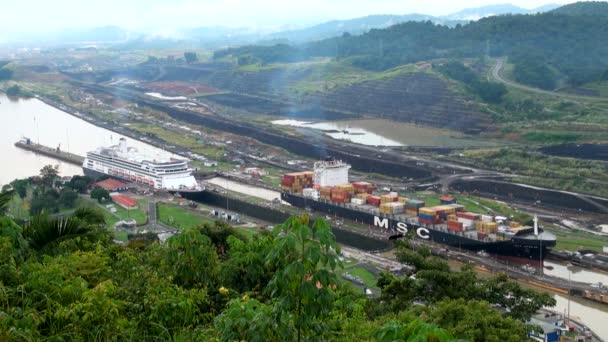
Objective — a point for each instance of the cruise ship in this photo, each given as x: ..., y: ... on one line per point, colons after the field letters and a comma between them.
x: 326, y: 189
x: 124, y: 162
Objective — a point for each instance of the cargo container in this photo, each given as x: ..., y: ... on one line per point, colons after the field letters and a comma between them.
x: 388, y: 198
x: 468, y: 215
x: 426, y: 217
x: 363, y: 187
x: 393, y: 194
x: 455, y: 226
x: 410, y: 212
x: 486, y: 227
x: 374, y: 200
x: 427, y: 211
x: 402, y: 200
x: 363, y: 196
x: 457, y: 207
x: 297, y: 181
x: 514, y: 224
x: 393, y: 208
x: 486, y: 218
x: 357, y: 201
x: 310, y: 193
x: 415, y: 203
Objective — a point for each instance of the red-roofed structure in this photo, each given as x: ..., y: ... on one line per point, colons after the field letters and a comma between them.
x: 447, y: 200
x: 125, y: 201
x: 112, y: 185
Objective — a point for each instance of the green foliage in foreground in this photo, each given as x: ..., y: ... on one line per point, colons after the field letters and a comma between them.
x: 63, y: 279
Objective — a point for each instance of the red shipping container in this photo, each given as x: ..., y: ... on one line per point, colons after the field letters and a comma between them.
x: 455, y: 226
x: 468, y: 216
x: 373, y: 200
x: 425, y: 221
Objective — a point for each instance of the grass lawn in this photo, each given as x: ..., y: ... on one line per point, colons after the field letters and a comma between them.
x: 369, y: 278
x: 121, y: 236
x: 181, y: 218
x: 574, y: 240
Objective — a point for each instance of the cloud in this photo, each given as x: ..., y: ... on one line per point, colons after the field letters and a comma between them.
x: 36, y: 15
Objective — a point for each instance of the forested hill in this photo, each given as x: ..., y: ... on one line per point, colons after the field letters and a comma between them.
x: 596, y: 8
x: 547, y: 48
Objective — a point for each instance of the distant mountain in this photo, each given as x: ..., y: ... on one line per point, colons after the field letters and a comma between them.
x: 352, y: 26
x: 530, y: 41
x: 597, y: 8
x: 477, y: 13
x: 97, y: 34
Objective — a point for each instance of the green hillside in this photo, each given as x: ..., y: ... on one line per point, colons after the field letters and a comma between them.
x: 595, y: 8
x: 531, y: 42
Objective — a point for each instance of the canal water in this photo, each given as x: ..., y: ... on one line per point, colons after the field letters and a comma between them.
x: 245, y: 189
x: 382, y: 132
x: 575, y: 273
x: 49, y: 126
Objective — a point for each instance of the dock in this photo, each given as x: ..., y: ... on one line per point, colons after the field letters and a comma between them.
x: 56, y: 153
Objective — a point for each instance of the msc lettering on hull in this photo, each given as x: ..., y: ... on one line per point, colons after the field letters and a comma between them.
x: 401, y: 227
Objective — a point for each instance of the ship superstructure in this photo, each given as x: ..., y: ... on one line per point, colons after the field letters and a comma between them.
x: 124, y: 162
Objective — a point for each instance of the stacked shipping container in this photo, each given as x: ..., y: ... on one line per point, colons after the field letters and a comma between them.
x: 297, y: 181
x: 392, y: 208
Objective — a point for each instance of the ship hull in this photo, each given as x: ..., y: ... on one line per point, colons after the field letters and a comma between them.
x: 518, y: 247
x: 96, y: 175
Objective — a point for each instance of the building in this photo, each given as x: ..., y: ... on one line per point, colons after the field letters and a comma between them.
x: 125, y: 201
x: 112, y: 185
x: 255, y: 171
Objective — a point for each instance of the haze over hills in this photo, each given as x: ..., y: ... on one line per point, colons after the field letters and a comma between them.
x: 498, y: 9
x: 529, y: 40
x: 217, y: 36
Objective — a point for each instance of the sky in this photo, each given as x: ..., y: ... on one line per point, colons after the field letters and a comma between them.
x: 18, y: 17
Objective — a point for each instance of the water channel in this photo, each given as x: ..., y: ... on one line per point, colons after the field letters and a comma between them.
x: 50, y: 126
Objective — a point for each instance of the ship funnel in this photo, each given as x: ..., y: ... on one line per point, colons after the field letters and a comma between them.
x: 535, y: 225
x: 122, y: 145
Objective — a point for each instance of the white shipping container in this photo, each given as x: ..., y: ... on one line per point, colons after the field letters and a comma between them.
x: 358, y: 201
x: 486, y: 218
x: 465, y: 222
x: 605, y: 249
x: 310, y: 193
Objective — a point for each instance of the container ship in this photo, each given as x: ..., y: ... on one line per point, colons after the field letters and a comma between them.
x: 124, y: 162
x: 327, y: 189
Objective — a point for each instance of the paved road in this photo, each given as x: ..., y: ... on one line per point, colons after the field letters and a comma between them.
x: 496, y: 74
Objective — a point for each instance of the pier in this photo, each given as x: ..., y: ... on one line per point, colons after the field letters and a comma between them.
x: 56, y: 153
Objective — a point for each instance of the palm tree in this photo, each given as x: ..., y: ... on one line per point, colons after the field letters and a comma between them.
x: 45, y: 232
x: 5, y: 199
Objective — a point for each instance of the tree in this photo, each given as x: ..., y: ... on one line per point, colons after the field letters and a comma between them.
x: 48, y: 175
x: 20, y: 186
x: 44, y: 233
x: 67, y: 197
x: 100, y: 194
x: 80, y: 183
x: 5, y: 198
x: 44, y: 200
x: 474, y: 321
x: 414, y: 331
x: 304, y: 282
x: 190, y: 57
